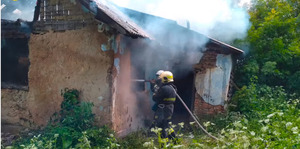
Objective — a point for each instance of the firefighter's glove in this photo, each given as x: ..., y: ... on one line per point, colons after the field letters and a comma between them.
x: 152, y: 81
x: 158, y: 81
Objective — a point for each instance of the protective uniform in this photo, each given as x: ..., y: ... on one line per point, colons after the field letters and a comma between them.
x: 165, y: 97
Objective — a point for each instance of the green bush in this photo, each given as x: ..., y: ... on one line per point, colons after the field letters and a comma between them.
x: 75, y: 114
x: 254, y: 100
x: 277, y: 129
x: 134, y: 140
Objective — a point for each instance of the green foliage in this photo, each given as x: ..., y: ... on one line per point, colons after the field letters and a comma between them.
x: 253, y: 99
x: 166, y: 142
x: 68, y: 136
x: 83, y: 141
x: 71, y: 99
x: 135, y: 140
x: 276, y: 129
x: 294, y: 82
x: 39, y: 142
x: 214, y: 124
x: 274, y: 42
x: 102, y: 137
x: 270, y: 76
x: 75, y: 114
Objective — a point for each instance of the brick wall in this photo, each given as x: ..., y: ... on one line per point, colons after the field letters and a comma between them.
x: 208, y: 61
x: 201, y: 108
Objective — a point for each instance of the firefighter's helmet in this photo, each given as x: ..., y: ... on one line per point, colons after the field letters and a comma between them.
x: 158, y: 73
x: 166, y: 77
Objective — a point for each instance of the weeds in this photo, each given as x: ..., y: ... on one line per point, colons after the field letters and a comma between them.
x: 251, y: 124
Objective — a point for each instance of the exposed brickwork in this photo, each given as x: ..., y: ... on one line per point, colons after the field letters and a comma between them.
x: 201, y: 108
x: 207, y: 61
x: 62, y: 16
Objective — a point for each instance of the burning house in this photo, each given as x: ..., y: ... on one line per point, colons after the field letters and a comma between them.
x: 94, y: 47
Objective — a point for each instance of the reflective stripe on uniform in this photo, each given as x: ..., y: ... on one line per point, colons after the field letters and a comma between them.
x: 169, y: 99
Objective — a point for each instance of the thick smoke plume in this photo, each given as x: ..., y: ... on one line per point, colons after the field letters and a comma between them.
x: 225, y: 20
x: 176, y: 50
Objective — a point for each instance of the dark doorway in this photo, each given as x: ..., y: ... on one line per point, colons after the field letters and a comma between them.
x: 14, y: 63
x: 184, y: 81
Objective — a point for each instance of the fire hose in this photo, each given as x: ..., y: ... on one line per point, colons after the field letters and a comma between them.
x: 193, y: 116
x: 141, y: 80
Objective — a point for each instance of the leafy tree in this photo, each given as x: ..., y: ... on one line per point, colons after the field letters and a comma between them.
x: 274, y: 41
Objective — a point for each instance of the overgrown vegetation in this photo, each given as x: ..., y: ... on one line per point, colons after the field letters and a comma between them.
x: 264, y: 117
x: 274, y: 46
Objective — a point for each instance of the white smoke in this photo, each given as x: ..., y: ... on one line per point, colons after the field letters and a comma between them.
x: 225, y: 20
x: 245, y: 3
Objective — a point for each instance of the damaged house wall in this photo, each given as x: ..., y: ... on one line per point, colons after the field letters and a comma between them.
x: 212, y: 84
x: 72, y: 59
x: 212, y: 77
x: 131, y: 105
x: 14, y: 75
x: 58, y: 60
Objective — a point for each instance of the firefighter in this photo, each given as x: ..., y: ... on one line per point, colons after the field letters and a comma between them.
x: 165, y: 98
x: 155, y: 85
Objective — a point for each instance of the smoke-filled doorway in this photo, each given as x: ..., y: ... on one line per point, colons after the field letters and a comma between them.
x: 184, y: 81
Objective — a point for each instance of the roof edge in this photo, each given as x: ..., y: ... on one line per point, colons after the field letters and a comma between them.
x: 227, y: 45
x: 112, y: 14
